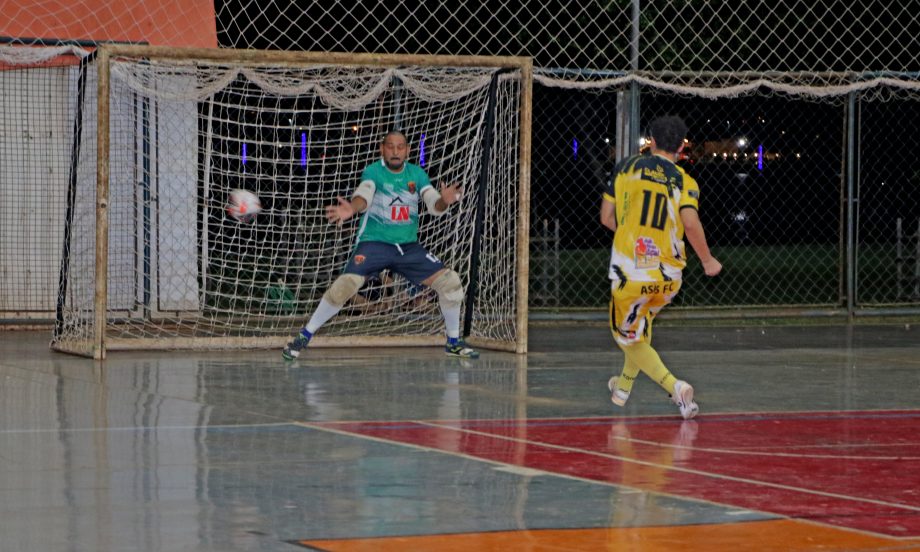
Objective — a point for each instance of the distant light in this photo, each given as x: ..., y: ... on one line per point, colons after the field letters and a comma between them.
x: 798, y: 156
x: 291, y: 121
x: 303, y: 149
x: 742, y: 142
x: 354, y: 128
x: 606, y: 140
x: 642, y: 142
x: 575, y: 148
x: 244, y: 153
x: 760, y: 157
x: 421, y: 150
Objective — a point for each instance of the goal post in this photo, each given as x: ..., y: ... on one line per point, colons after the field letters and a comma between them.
x: 155, y: 262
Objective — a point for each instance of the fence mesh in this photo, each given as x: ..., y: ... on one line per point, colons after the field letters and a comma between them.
x: 786, y: 76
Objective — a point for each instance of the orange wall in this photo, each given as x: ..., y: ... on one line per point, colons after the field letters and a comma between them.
x: 158, y: 22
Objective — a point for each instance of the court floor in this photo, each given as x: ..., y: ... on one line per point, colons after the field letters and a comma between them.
x: 808, y: 439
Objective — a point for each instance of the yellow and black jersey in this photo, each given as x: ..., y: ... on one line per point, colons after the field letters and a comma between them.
x: 648, y: 192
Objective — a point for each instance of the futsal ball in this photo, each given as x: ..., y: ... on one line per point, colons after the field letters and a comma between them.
x: 244, y: 205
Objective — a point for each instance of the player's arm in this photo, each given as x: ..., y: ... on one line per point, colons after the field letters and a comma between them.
x: 608, y: 200
x: 345, y: 209
x: 693, y: 229
x: 609, y: 212
x: 438, y: 201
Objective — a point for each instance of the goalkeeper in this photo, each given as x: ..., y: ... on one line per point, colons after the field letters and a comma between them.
x: 388, y: 196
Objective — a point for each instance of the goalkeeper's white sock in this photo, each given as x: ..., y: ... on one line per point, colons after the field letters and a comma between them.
x: 323, y: 313
x: 451, y: 320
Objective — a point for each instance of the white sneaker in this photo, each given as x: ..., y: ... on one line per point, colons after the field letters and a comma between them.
x: 617, y: 396
x: 683, y: 398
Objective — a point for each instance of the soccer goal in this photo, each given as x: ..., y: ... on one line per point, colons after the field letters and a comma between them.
x: 151, y: 260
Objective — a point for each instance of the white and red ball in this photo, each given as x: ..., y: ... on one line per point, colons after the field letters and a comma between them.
x: 243, y: 205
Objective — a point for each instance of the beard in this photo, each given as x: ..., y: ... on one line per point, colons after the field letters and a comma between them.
x: 394, y: 165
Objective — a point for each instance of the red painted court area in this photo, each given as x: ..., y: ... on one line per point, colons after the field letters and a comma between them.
x: 858, y: 470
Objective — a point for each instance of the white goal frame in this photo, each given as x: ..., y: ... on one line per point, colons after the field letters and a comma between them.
x: 106, y: 54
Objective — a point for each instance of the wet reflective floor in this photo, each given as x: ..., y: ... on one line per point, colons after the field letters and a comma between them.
x: 808, y: 439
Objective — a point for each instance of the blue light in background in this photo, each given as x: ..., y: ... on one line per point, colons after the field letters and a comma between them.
x: 421, y: 152
x: 303, y: 149
x: 244, y: 153
x: 760, y: 157
x: 575, y: 148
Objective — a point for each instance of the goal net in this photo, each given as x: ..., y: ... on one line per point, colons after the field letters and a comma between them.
x: 152, y: 260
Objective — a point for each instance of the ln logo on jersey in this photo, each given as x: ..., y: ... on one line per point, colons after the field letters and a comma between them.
x: 399, y: 213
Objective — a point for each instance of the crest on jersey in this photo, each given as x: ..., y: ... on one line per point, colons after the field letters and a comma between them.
x: 359, y: 259
x: 412, y: 187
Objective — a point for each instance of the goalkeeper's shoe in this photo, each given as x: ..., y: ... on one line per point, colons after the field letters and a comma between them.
x: 292, y: 349
x: 617, y: 396
x: 458, y: 348
x: 683, y: 398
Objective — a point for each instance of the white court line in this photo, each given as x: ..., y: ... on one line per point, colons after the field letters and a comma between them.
x: 766, y: 514
x: 772, y: 454
x: 686, y: 470
x: 142, y: 428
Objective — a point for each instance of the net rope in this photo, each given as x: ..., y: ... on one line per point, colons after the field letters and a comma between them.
x: 183, y: 135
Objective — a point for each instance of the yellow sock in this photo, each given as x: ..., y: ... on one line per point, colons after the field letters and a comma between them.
x: 645, y: 358
x: 627, y: 376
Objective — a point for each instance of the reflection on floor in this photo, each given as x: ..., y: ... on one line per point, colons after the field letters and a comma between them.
x: 806, y: 441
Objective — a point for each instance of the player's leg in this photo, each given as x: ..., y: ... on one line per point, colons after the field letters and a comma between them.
x: 366, y: 260
x: 342, y: 289
x: 681, y: 392
x: 421, y: 267
x: 447, y: 284
x: 634, y: 308
x: 620, y: 386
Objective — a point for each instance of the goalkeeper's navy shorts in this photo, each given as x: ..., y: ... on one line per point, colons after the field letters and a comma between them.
x: 411, y: 260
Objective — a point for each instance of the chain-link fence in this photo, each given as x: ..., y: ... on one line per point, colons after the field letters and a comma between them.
x: 801, y: 116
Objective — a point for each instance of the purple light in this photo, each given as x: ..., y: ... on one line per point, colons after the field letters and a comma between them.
x: 303, y: 149
x: 760, y: 157
x: 244, y: 153
x: 575, y: 148
x: 421, y: 152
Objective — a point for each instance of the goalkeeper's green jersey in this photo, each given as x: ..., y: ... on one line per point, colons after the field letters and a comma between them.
x: 392, y: 216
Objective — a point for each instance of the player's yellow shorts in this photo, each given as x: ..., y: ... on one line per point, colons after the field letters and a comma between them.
x: 634, y: 306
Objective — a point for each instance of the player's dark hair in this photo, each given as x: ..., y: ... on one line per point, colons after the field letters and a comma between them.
x: 669, y: 132
x: 394, y: 133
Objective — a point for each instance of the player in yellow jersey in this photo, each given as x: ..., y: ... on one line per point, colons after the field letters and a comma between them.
x: 650, y: 203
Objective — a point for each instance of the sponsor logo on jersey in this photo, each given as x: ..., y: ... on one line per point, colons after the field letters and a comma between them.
x: 399, y: 213
x: 655, y: 175
x: 359, y: 259
x: 646, y: 253
x: 412, y: 187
